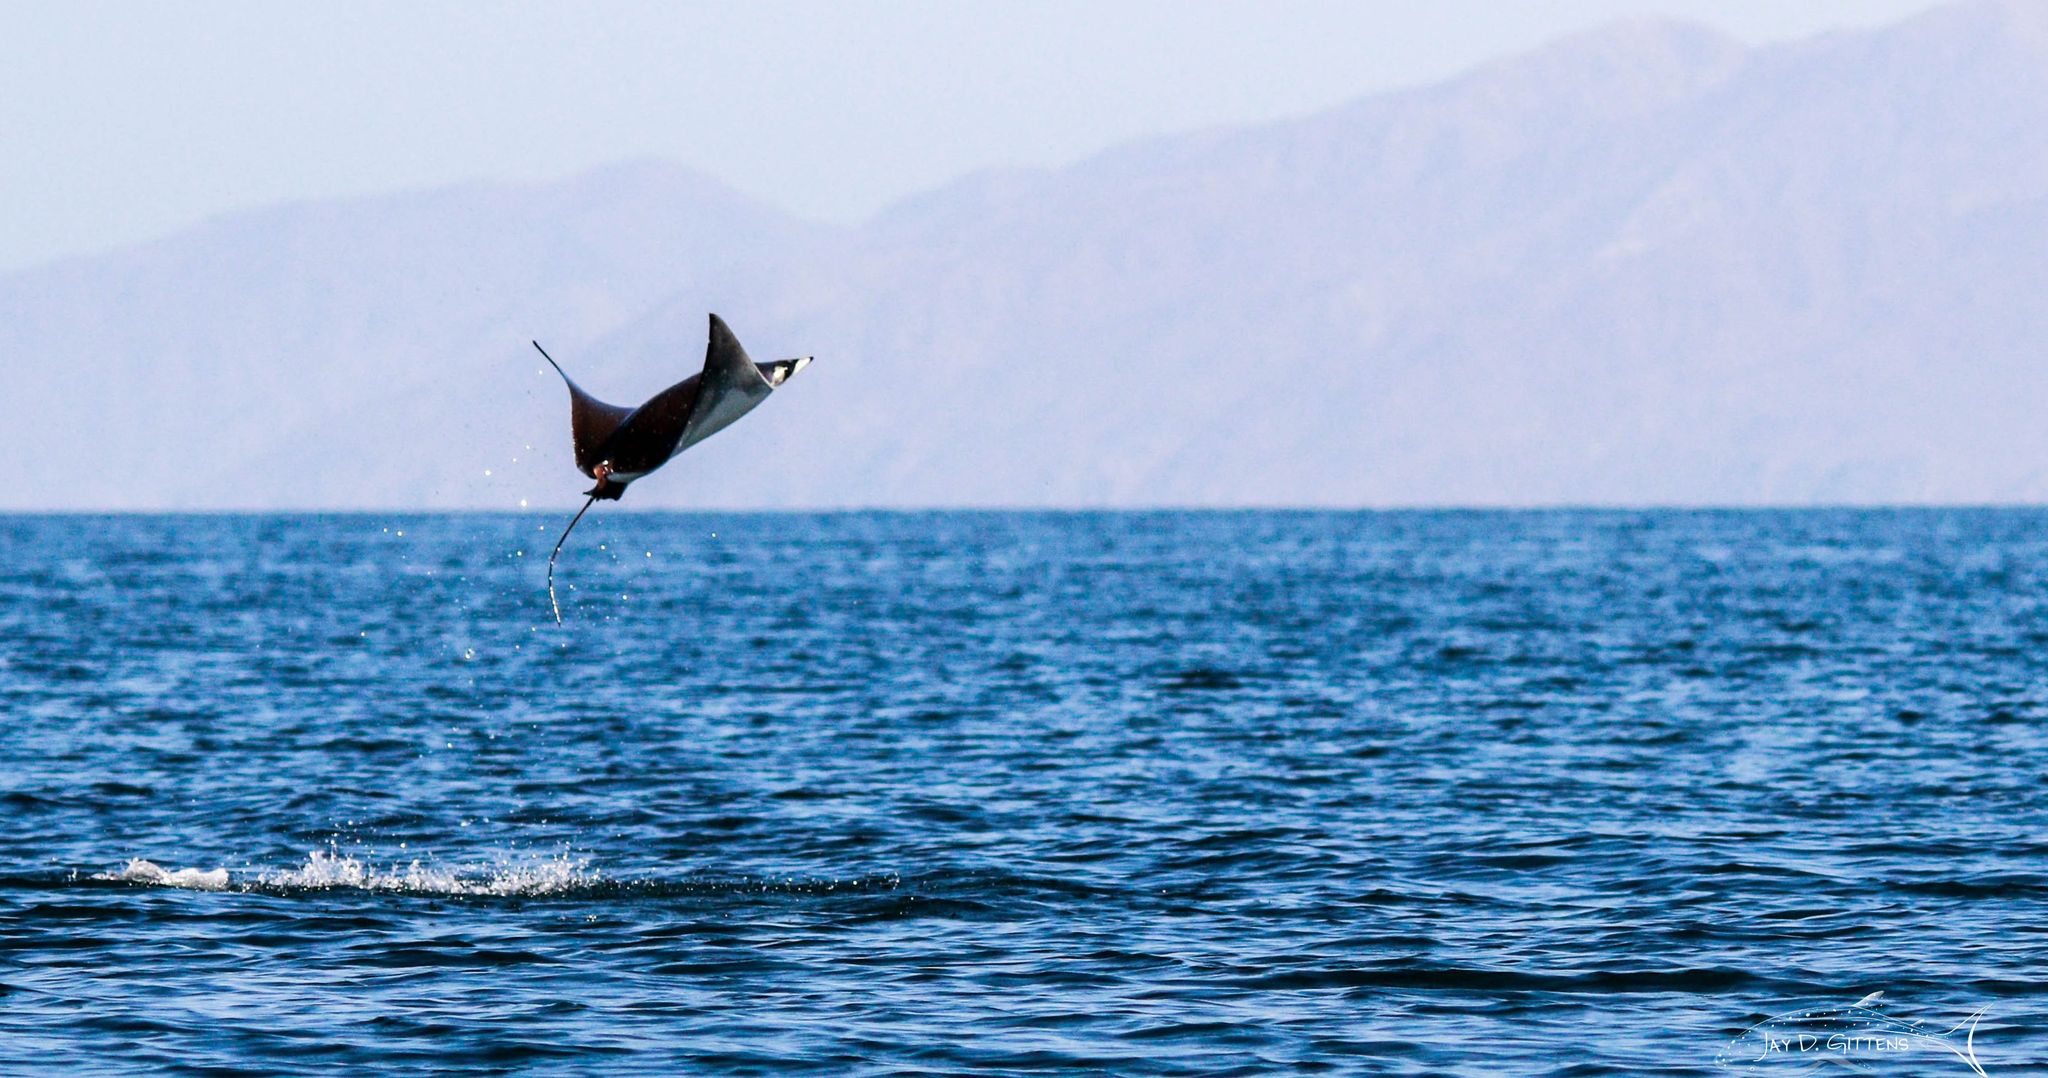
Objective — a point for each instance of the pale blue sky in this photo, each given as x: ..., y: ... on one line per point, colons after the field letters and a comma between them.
x: 123, y: 121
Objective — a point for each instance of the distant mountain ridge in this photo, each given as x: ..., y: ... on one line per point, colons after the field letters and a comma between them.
x: 1643, y: 265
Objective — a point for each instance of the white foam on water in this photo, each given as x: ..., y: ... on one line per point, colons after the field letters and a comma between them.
x: 142, y: 871
x: 333, y: 870
x: 325, y: 869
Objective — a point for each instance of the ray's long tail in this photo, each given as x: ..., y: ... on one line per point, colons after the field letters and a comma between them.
x: 558, y: 553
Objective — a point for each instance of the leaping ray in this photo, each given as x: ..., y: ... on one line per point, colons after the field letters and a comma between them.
x: 616, y: 446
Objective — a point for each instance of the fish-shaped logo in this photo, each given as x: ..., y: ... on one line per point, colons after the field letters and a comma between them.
x: 1860, y: 1036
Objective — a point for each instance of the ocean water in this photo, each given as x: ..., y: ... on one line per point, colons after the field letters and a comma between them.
x: 1544, y: 793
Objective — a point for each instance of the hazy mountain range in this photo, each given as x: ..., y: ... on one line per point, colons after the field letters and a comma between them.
x: 1645, y: 265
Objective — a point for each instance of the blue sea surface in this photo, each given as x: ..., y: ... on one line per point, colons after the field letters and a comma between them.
x: 1443, y: 793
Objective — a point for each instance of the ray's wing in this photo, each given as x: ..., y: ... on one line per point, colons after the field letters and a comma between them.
x: 591, y: 421
x: 729, y: 388
x: 656, y: 428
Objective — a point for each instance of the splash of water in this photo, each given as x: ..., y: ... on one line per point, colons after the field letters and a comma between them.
x: 326, y: 870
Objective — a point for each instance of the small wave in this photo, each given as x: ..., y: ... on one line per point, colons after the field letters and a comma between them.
x: 149, y: 872
x: 568, y: 877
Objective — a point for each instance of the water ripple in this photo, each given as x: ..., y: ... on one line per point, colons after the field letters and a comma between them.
x: 1559, y: 793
